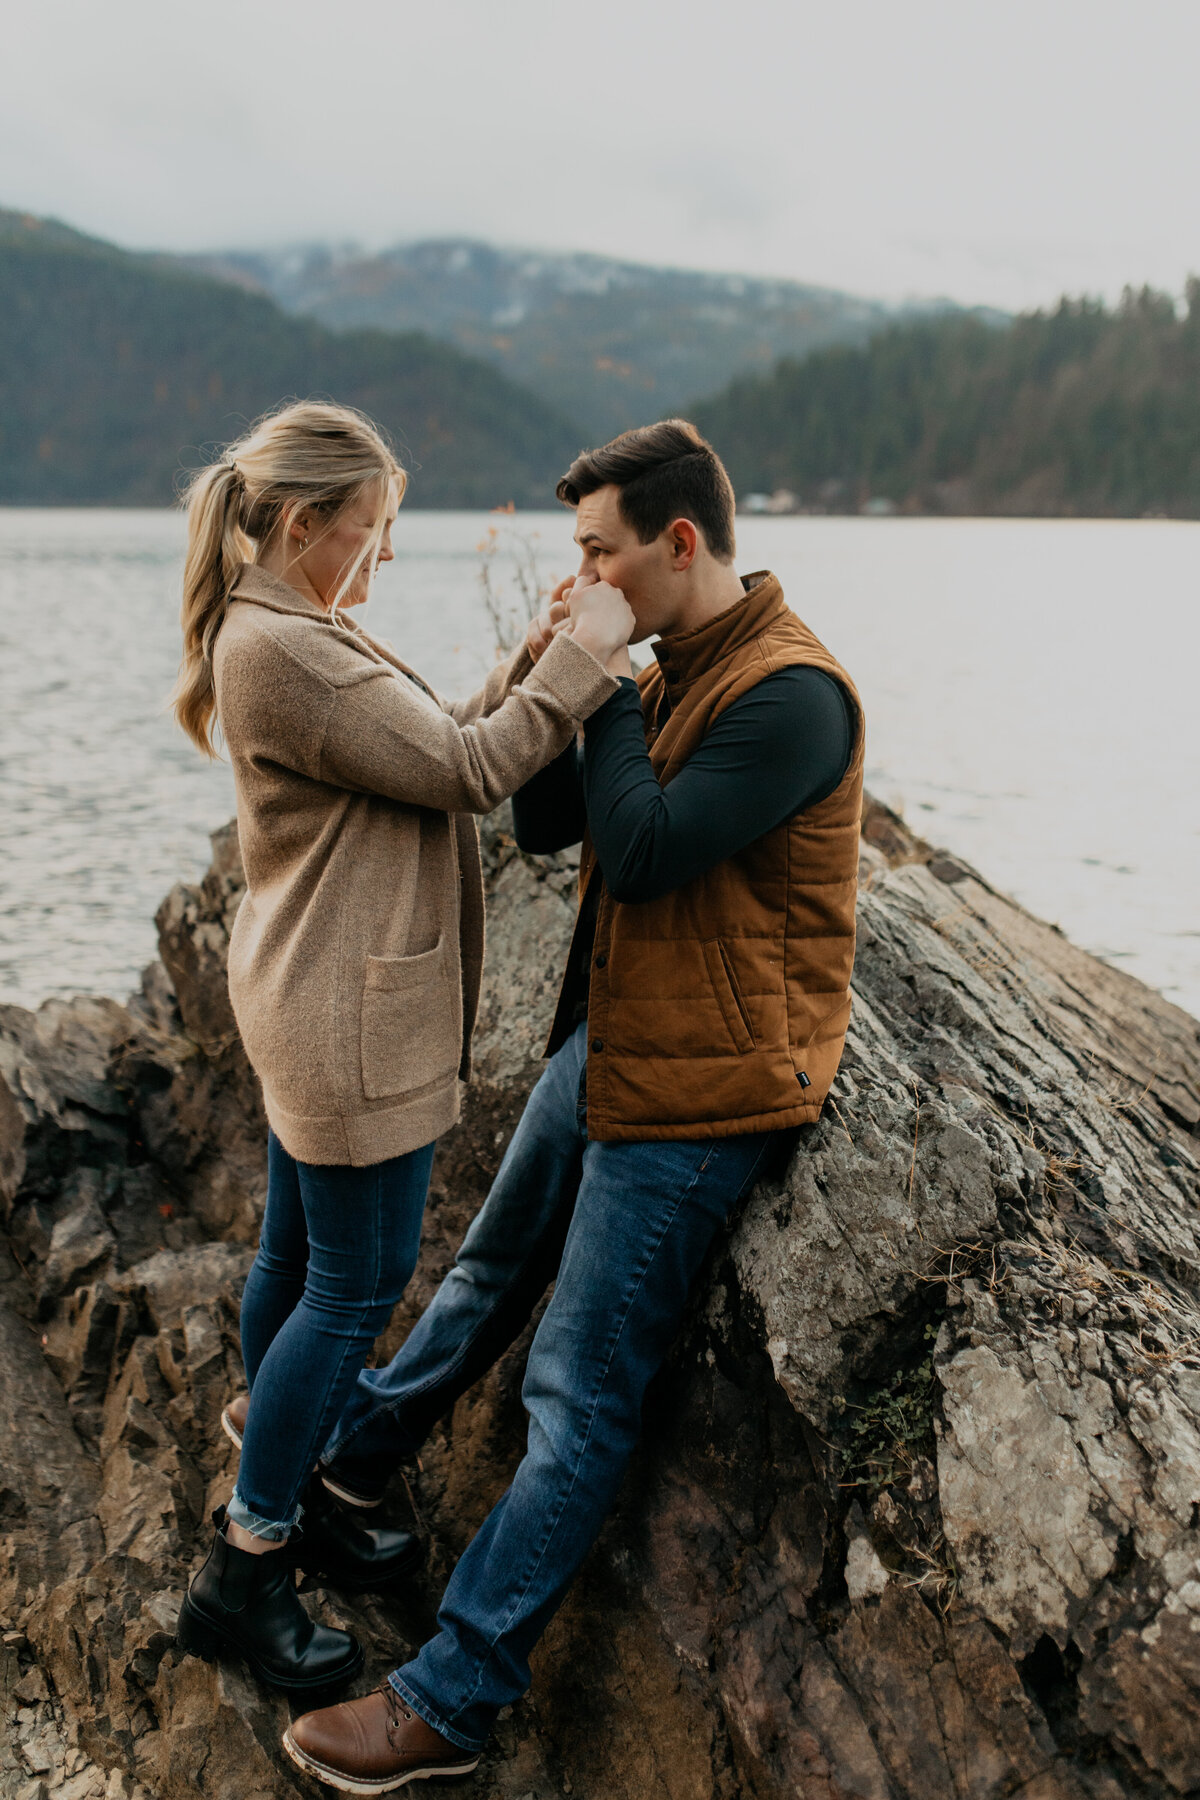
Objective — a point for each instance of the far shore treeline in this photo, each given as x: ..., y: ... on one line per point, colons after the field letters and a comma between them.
x: 1079, y: 412
x: 121, y: 372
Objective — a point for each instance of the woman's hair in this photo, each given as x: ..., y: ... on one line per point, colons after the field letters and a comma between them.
x: 309, y: 457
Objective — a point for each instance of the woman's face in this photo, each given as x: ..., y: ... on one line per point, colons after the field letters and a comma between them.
x: 334, y: 548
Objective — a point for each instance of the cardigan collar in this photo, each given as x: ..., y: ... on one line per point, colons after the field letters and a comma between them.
x: 261, y: 588
x: 687, y: 655
x: 264, y: 589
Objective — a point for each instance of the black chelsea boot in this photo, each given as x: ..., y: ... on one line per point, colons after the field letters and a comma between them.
x: 330, y: 1544
x: 248, y: 1604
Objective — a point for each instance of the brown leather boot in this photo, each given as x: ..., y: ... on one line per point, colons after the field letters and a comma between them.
x: 233, y: 1418
x: 373, y: 1745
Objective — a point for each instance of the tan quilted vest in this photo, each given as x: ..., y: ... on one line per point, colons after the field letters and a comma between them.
x: 722, y: 1007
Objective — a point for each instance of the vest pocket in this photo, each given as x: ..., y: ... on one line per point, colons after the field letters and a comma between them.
x: 818, y: 1022
x: 729, y: 998
x: 411, y: 1028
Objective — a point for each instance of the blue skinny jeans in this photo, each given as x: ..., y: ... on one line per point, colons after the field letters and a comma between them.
x: 337, y: 1249
x: 621, y: 1229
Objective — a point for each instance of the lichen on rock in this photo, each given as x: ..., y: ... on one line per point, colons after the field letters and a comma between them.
x: 917, y: 1510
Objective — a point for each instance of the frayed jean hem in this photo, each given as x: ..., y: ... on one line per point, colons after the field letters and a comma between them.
x: 276, y: 1531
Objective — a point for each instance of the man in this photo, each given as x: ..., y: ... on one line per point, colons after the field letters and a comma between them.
x: 702, y: 1014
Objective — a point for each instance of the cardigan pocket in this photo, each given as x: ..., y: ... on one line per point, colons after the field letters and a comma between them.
x: 411, y: 1024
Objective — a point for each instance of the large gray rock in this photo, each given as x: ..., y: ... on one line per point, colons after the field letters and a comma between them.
x: 917, y: 1513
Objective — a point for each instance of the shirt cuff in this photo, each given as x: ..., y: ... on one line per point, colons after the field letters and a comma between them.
x: 627, y: 700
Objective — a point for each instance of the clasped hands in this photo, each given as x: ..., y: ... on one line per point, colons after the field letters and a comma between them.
x: 595, y: 614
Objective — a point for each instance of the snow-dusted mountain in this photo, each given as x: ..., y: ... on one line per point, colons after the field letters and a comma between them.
x: 608, y: 343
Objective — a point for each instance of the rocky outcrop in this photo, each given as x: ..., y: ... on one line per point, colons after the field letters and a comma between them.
x: 917, y: 1513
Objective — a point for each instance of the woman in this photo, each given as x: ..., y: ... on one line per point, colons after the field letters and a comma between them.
x: 354, y: 962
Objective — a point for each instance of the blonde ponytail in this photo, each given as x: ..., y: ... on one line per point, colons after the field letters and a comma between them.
x: 217, y: 548
x: 312, y: 456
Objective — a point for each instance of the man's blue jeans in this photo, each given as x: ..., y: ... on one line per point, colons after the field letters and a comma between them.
x: 336, y: 1251
x: 622, y: 1230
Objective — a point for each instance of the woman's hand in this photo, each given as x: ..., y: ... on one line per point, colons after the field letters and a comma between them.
x: 601, y: 620
x: 552, y: 619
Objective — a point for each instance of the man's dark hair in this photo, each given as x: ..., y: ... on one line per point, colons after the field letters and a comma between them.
x: 665, y: 471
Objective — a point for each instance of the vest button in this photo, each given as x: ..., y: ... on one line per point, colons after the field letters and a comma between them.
x: 602, y: 960
x: 597, y: 1045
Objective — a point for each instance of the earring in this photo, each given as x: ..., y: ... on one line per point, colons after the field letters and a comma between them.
x: 304, y: 543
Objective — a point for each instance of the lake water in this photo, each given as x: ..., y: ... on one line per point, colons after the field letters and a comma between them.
x: 1029, y: 686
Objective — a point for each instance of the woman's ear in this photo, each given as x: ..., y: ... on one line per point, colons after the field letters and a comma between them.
x: 299, y: 526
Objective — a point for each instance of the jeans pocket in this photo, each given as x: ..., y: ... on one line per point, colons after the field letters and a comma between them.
x: 411, y: 1032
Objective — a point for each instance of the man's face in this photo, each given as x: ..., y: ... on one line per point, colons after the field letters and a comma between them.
x: 610, y: 551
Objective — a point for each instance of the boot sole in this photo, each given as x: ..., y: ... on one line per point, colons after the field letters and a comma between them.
x: 359, y: 1585
x: 230, y: 1429
x: 367, y: 1502
x: 351, y: 1784
x: 197, y: 1635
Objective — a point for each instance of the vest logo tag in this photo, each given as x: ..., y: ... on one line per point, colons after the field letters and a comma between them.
x: 802, y: 1078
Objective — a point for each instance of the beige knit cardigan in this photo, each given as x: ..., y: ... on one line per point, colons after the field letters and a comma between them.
x: 355, y: 959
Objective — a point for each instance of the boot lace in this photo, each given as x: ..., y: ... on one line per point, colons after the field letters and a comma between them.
x: 396, y: 1710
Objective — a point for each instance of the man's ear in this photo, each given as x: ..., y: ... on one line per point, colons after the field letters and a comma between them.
x: 685, y: 541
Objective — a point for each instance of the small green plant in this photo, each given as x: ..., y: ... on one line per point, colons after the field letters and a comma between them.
x: 889, y: 1457
x: 886, y: 1434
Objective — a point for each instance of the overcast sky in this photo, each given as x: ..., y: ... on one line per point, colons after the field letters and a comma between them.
x: 999, y: 153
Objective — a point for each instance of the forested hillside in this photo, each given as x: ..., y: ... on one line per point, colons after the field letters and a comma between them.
x: 1079, y: 411
x: 119, y: 372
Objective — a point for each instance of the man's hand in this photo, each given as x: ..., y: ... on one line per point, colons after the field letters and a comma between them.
x: 600, y: 620
x: 552, y: 619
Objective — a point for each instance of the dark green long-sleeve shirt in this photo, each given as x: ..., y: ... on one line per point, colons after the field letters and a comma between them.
x: 781, y: 748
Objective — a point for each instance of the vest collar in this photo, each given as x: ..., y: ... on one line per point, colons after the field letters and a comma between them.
x: 686, y: 655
